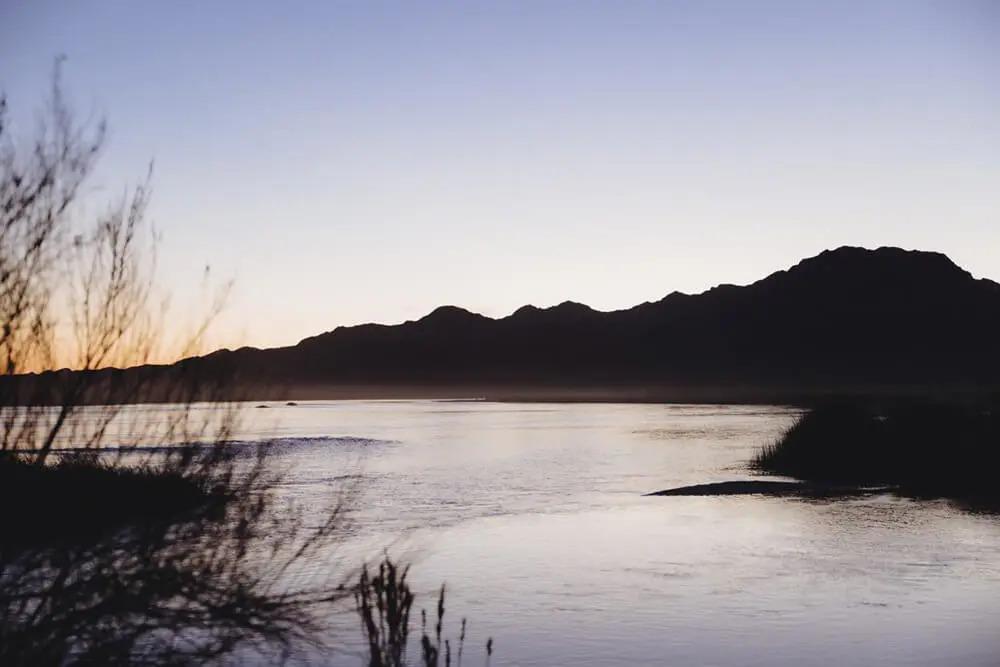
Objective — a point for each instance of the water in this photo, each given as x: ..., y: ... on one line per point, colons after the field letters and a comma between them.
x: 534, y: 516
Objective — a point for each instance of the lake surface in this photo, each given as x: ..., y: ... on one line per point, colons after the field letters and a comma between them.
x: 534, y: 516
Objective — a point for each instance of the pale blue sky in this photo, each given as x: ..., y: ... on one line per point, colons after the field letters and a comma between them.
x: 364, y: 161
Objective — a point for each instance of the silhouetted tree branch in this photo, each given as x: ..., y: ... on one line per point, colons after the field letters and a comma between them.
x: 124, y: 539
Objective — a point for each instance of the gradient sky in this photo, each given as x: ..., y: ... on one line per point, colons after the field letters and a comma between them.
x: 349, y: 162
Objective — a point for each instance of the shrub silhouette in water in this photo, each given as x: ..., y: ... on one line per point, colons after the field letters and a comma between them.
x: 923, y: 448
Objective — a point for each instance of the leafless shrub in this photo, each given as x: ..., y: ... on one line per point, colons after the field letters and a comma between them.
x: 192, y: 583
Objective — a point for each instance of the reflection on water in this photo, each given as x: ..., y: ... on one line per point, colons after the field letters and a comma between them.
x: 533, y: 514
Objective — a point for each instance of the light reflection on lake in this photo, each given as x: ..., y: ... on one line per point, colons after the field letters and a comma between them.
x: 534, y: 516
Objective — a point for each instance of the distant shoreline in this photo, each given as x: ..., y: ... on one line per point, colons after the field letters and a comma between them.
x: 719, y: 393
x: 698, y: 394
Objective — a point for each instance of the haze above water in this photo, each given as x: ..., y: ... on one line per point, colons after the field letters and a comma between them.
x: 534, y: 516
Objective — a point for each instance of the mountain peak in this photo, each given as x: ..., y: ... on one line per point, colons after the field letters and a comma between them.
x: 526, y: 311
x: 887, y: 257
x: 861, y: 269
x: 572, y: 307
x: 563, y: 310
x: 451, y: 315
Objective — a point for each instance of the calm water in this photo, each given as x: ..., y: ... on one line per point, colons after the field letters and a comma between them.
x: 534, y: 516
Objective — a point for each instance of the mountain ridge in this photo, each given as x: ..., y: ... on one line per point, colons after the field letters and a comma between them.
x: 809, y: 261
x: 846, y: 317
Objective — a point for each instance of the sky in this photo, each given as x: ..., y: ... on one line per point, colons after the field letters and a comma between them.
x: 349, y: 162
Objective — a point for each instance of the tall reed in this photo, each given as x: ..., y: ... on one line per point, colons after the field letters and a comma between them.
x: 383, y: 602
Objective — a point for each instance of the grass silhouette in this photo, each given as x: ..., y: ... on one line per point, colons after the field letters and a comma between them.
x: 383, y: 602
x: 924, y: 449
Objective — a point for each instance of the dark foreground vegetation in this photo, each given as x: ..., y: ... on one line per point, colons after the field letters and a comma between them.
x: 131, y: 537
x: 106, y: 496
x: 922, y: 449
x: 162, y: 562
x: 119, y: 543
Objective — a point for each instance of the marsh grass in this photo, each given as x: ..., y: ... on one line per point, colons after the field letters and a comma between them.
x: 383, y: 602
x: 924, y: 449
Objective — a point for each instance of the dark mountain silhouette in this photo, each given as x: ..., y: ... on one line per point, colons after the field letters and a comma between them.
x: 847, y: 318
